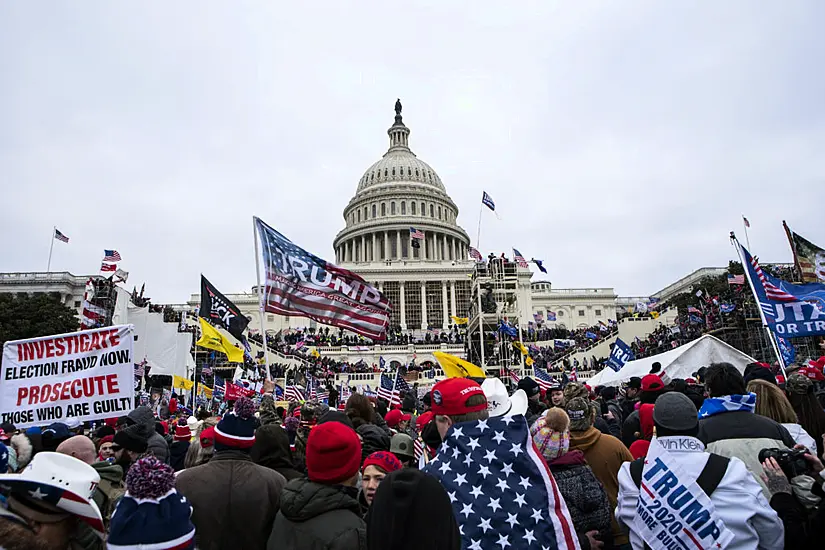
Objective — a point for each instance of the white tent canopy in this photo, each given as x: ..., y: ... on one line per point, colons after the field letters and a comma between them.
x: 679, y: 362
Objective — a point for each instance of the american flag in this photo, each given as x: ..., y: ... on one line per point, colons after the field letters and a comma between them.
x: 140, y: 369
x: 111, y: 256
x: 475, y: 254
x: 520, y: 259
x: 544, y: 380
x: 692, y: 309
x: 736, y: 279
x: 207, y: 371
x: 293, y: 393
x: 513, y: 376
x: 301, y: 284
x: 574, y: 375
x: 108, y: 267
x: 60, y: 236
x: 418, y: 448
x: 278, y: 393
x: 311, y: 393
x: 501, y: 490
x: 747, y: 223
x: 416, y: 234
x: 392, y: 393
x: 772, y: 291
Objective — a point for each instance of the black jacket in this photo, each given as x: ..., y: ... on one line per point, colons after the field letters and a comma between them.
x: 177, y: 454
x: 271, y: 450
x: 632, y: 425
x: 317, y: 517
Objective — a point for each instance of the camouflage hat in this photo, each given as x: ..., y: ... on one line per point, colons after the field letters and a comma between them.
x: 798, y: 383
x: 575, y: 389
x: 312, y: 410
x: 580, y: 412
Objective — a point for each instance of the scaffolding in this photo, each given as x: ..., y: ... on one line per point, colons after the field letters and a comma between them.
x: 494, y: 299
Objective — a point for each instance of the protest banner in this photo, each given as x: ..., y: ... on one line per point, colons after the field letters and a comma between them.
x: 86, y: 375
x: 673, y: 511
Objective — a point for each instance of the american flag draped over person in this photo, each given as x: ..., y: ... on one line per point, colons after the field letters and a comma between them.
x: 502, y: 492
x: 302, y: 284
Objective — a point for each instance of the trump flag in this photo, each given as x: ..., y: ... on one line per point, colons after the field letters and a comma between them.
x: 301, y: 284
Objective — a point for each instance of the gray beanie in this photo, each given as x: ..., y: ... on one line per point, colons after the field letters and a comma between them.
x: 674, y: 411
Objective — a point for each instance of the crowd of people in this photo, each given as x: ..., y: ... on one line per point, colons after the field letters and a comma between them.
x: 370, y: 475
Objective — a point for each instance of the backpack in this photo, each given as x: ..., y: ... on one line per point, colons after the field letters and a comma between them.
x: 709, y: 478
x: 110, y: 494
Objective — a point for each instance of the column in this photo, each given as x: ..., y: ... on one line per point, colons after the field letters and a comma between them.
x: 452, y: 248
x: 346, y: 251
x: 363, y: 248
x: 398, y: 244
x: 452, y: 299
x: 386, y: 245
x: 403, y: 306
x: 423, y: 305
x: 374, y: 247
x: 444, y: 306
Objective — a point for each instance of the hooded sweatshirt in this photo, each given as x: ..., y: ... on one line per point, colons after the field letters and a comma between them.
x: 144, y: 427
x: 605, y: 454
x: 271, y: 450
x: 411, y: 511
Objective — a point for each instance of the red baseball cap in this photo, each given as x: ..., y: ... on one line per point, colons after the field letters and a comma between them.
x: 423, y: 419
x: 814, y: 374
x: 395, y: 416
x: 449, y: 397
x: 652, y: 382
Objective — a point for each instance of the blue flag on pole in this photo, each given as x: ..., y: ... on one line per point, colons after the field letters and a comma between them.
x: 591, y: 335
x: 619, y: 355
x: 788, y: 309
x: 488, y: 201
x: 787, y: 350
x: 501, y: 490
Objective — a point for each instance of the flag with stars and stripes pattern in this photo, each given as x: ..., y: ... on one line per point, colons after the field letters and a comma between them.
x: 502, y: 491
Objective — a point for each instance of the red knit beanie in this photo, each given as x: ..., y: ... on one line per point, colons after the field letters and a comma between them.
x: 384, y: 460
x: 333, y: 453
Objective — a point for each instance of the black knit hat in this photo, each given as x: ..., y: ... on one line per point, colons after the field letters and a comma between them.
x: 530, y: 386
x: 131, y: 441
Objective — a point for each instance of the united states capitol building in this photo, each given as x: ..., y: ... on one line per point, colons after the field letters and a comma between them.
x: 427, y: 281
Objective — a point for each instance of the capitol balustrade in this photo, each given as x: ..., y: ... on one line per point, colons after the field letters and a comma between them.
x: 373, y: 379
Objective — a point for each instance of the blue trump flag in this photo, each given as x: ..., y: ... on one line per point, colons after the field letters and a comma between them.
x: 591, y: 335
x: 787, y: 350
x: 502, y: 492
x: 487, y: 200
x: 619, y: 355
x: 507, y: 329
x: 788, y: 309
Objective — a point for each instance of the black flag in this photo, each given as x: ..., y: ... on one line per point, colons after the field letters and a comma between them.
x: 220, y: 311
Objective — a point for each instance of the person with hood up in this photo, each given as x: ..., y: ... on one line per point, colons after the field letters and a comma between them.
x: 373, y: 471
x: 271, y: 450
x: 373, y: 439
x: 321, y: 511
x: 141, y: 422
x: 584, y: 495
x: 412, y: 511
x: 604, y: 453
x: 180, y: 446
x: 234, y: 499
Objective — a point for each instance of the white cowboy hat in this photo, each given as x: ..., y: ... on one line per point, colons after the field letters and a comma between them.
x: 501, y: 404
x: 61, y: 481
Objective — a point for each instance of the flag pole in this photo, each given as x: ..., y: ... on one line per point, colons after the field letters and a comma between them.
x: 480, y: 324
x: 260, y: 296
x: 771, y: 336
x: 392, y: 392
x: 51, y: 248
x: 478, y: 234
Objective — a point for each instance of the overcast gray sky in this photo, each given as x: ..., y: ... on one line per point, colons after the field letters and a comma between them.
x: 620, y: 141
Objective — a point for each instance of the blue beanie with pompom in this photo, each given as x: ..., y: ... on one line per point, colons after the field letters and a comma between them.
x: 236, y: 430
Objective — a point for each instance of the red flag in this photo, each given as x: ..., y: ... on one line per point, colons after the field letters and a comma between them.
x: 108, y: 267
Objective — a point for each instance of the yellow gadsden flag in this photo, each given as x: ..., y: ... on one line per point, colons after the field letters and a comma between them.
x: 460, y: 320
x: 212, y: 339
x: 455, y: 367
x: 182, y: 383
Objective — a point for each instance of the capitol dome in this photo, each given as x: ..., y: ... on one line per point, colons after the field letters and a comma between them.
x: 398, y: 193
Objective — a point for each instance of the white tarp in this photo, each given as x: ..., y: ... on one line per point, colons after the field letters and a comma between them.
x: 679, y: 362
x: 165, y: 350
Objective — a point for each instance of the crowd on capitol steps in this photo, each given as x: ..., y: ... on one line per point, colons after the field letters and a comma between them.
x: 725, y: 459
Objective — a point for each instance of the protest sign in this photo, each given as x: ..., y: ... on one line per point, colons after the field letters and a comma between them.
x: 86, y: 375
x: 673, y: 511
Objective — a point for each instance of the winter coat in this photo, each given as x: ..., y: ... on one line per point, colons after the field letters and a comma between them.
x: 373, y: 439
x: 234, y: 501
x: 271, y: 450
x: 534, y: 410
x: 737, y: 499
x: 608, y: 427
x: 318, y: 517
x: 584, y: 495
x: 605, y: 454
x: 627, y: 406
x: 802, y: 437
x: 144, y: 427
x: 631, y: 426
x: 24, y: 450
x: 743, y: 434
x: 110, y: 489
x: 177, y: 454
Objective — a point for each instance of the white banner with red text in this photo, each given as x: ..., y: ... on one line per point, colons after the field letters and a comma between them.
x: 86, y: 375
